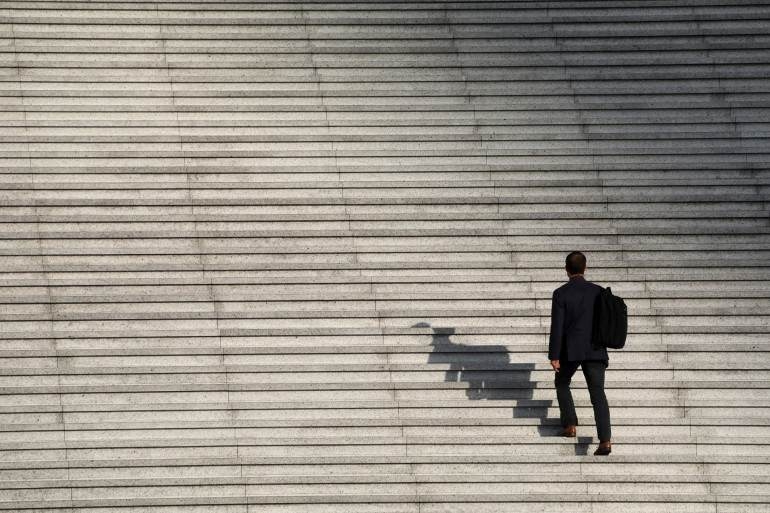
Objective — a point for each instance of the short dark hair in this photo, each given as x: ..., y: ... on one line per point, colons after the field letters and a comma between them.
x: 576, y: 263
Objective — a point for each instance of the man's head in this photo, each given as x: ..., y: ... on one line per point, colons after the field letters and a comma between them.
x: 575, y: 263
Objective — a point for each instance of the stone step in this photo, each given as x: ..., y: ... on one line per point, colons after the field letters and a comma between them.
x: 581, y: 216
x: 148, y: 328
x: 626, y: 411
x: 521, y: 136
x: 745, y: 464
x: 688, y: 278
x: 556, y: 103
x: 226, y: 437
x: 52, y: 234
x: 694, y: 424
x: 367, y: 475
x: 755, y: 314
x: 406, y: 500
x: 228, y: 448
x: 391, y: 305
x: 512, y: 346
x: 519, y: 385
x: 109, y: 43
x: 183, y: 59
x: 338, y: 249
x: 678, y: 93
x: 352, y: 45
x: 334, y: 373
x: 428, y: 148
x: 299, y: 258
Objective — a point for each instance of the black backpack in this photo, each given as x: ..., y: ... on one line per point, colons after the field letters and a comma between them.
x: 610, y: 322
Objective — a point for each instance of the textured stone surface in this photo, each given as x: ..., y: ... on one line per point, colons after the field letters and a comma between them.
x: 298, y: 257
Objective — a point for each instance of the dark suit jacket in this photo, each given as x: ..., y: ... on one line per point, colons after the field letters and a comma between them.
x: 572, y: 309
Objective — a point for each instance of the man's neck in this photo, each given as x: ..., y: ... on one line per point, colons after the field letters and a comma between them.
x: 573, y: 276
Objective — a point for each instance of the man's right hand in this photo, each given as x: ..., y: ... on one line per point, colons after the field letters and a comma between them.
x: 555, y: 364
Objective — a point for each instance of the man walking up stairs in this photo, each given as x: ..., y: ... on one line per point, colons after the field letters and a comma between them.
x: 570, y: 347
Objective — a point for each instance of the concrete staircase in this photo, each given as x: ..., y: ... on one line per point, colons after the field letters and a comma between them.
x: 298, y: 257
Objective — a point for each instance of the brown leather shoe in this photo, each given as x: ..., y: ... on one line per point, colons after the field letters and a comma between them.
x: 604, y: 449
x: 569, y: 432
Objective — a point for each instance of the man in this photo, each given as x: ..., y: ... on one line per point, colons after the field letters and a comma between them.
x: 570, y: 347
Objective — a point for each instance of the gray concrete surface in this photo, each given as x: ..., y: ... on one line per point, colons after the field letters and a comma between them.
x: 298, y: 257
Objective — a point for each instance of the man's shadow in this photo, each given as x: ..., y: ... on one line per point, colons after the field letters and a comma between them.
x: 490, y: 374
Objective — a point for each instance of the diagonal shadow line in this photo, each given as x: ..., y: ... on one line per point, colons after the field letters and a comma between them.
x: 490, y: 374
